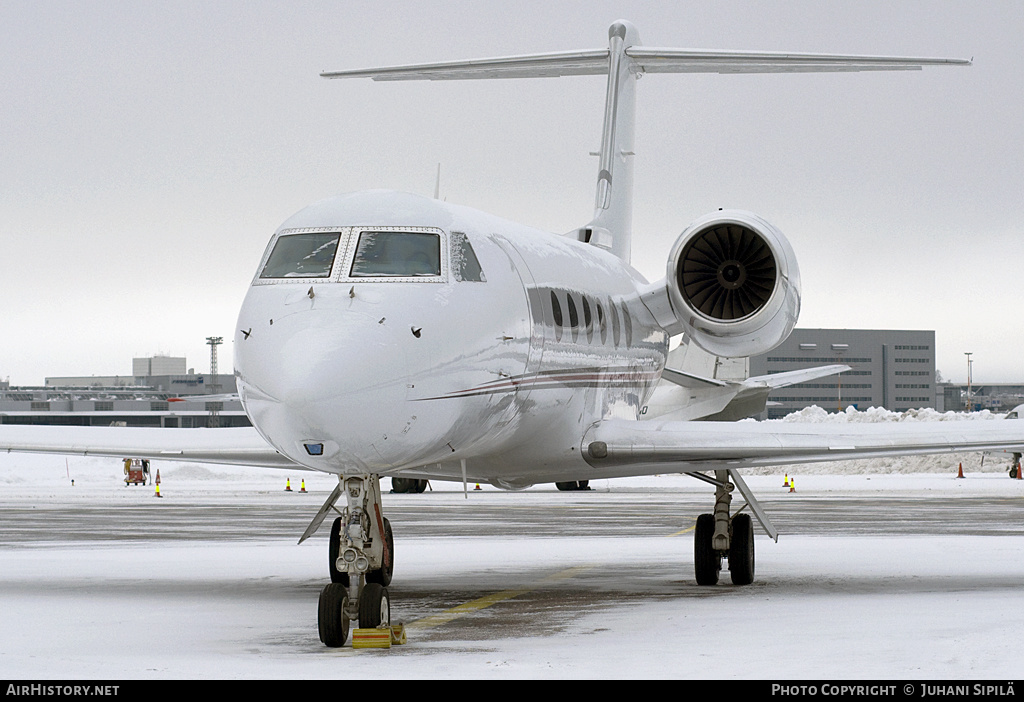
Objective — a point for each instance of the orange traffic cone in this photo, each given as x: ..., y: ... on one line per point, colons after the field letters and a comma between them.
x: 303, y: 488
x: 792, y: 484
x: 785, y: 483
x: 960, y: 472
x: 288, y: 485
x: 477, y: 486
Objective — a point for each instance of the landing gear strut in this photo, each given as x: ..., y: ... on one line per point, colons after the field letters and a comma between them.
x: 360, y: 560
x: 722, y: 535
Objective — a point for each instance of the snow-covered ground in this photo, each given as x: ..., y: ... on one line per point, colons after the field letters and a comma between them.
x: 920, y: 606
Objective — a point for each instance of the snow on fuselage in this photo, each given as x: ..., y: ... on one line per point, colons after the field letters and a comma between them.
x: 393, y: 333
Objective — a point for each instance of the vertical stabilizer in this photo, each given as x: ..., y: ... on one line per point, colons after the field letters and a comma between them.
x: 612, y: 225
x: 624, y: 61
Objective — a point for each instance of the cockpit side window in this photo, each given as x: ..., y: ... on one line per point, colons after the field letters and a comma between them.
x: 397, y: 254
x: 307, y: 255
x: 464, y: 260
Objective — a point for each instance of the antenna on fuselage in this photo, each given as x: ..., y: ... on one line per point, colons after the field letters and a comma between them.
x: 624, y: 61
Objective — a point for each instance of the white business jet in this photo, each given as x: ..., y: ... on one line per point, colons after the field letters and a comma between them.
x: 387, y: 334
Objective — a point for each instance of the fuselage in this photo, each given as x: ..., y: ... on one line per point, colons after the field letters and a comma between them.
x: 389, y: 333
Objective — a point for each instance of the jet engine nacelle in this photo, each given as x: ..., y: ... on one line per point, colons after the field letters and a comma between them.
x: 732, y: 285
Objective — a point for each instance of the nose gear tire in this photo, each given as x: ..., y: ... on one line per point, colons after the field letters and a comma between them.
x: 332, y: 619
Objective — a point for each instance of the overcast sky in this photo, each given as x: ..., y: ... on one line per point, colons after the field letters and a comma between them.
x: 148, y: 150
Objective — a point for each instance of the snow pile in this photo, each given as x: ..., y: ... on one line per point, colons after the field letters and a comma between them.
x: 873, y: 415
x: 197, y: 472
x: 938, y: 463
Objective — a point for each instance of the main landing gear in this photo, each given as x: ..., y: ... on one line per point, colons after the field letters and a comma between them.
x: 361, y: 561
x: 721, y: 536
x: 402, y: 485
x: 573, y: 485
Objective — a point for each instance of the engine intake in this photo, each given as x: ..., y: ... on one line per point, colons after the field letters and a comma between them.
x: 732, y: 285
x: 727, y: 272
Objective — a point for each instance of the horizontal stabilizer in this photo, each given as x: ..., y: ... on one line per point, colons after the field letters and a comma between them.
x: 643, y: 60
x: 654, y: 60
x: 552, y: 65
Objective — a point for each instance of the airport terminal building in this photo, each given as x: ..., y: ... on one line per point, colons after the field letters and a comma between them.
x: 894, y: 369
x: 147, y: 398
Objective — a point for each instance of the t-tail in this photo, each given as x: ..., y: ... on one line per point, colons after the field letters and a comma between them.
x: 624, y: 62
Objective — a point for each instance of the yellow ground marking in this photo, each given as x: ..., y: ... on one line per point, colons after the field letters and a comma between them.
x: 684, y: 531
x: 488, y: 600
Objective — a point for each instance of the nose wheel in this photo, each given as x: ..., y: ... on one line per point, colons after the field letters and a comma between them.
x: 374, y: 606
x: 332, y: 615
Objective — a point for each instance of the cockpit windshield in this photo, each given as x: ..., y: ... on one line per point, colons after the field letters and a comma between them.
x: 307, y: 255
x: 397, y: 254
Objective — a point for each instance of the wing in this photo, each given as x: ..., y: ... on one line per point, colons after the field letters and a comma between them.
x: 776, y: 380
x: 781, y: 380
x: 239, y: 446
x: 226, y: 397
x: 619, y: 447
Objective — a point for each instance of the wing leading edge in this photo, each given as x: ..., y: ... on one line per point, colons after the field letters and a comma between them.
x: 623, y: 447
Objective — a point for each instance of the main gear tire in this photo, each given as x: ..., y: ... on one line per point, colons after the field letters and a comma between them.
x: 741, y: 550
x: 707, y: 562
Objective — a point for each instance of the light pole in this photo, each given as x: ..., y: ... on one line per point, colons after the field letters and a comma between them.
x: 838, y: 350
x: 214, y: 342
x: 969, y: 362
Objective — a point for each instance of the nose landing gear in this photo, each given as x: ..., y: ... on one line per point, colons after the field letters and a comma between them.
x: 360, y: 561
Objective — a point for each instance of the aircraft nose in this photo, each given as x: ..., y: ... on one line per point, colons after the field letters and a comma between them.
x: 319, y: 374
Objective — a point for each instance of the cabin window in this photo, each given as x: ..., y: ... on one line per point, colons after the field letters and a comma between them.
x: 308, y: 255
x: 616, y: 334
x: 574, y: 317
x: 627, y: 321
x: 556, y: 315
x: 601, y: 323
x: 464, y: 260
x: 588, y: 320
x: 397, y: 254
